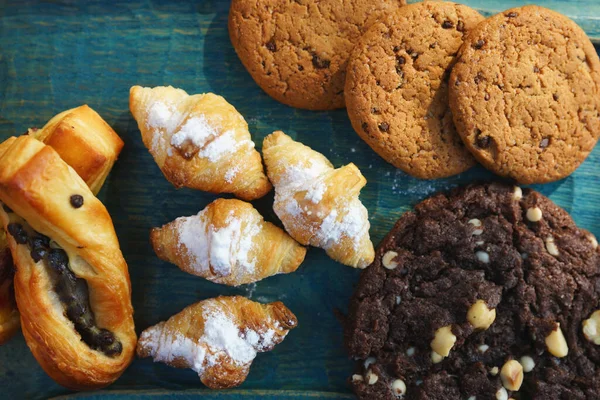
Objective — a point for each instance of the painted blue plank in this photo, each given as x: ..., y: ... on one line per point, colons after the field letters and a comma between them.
x: 60, y: 54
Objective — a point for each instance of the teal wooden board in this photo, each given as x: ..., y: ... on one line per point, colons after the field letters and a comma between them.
x: 60, y: 54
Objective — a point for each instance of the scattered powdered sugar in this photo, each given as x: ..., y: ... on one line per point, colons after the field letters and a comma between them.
x: 221, y: 335
x: 232, y: 173
x: 299, y: 175
x: 196, y: 130
x: 221, y: 145
x: 316, y: 192
x: 159, y: 115
x: 352, y: 225
x: 219, y: 251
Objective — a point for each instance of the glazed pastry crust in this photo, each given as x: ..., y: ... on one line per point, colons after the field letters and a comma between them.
x: 37, y: 184
x: 318, y: 204
x: 224, y: 161
x: 84, y: 141
x: 270, y: 322
x: 9, y: 315
x: 272, y: 251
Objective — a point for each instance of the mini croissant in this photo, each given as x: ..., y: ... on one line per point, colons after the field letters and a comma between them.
x: 318, y: 204
x: 228, y: 242
x: 218, y: 338
x: 84, y: 141
x: 199, y: 141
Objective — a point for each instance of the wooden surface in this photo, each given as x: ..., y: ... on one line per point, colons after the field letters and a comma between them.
x: 56, y: 55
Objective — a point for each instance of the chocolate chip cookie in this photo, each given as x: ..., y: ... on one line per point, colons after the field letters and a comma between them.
x: 297, y: 51
x: 397, y: 88
x: 525, y: 94
x: 488, y: 292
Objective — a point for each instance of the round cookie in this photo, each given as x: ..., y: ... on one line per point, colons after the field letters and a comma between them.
x: 397, y: 88
x: 297, y: 51
x: 525, y: 94
x: 485, y: 274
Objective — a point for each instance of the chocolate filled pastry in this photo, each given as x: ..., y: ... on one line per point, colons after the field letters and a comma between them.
x: 9, y: 316
x: 71, y: 281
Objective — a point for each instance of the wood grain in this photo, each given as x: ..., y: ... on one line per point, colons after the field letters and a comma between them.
x: 55, y: 55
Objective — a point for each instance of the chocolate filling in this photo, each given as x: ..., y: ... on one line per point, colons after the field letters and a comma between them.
x: 71, y: 290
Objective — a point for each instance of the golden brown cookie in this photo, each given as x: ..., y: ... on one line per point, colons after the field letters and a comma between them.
x: 525, y: 94
x: 397, y: 88
x: 297, y: 50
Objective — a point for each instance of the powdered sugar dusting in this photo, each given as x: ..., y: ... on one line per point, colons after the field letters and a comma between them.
x: 219, y: 252
x: 232, y: 173
x: 196, y: 130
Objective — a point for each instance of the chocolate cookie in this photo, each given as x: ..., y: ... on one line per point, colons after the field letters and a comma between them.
x: 397, y: 88
x: 488, y: 292
x: 525, y: 94
x: 297, y: 51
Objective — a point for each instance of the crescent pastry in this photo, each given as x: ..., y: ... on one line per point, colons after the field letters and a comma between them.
x: 199, y: 141
x: 228, y: 242
x: 218, y: 338
x: 71, y: 284
x: 317, y: 203
x: 84, y: 141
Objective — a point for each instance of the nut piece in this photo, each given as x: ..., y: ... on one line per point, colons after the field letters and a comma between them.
x: 590, y: 328
x: 551, y: 246
x: 556, y: 343
x: 372, y: 378
x: 534, y: 214
x: 399, y: 387
x: 357, y: 378
x: 388, y: 260
x: 494, y: 371
x: 512, y: 375
x: 436, y: 358
x: 501, y: 394
x: 480, y: 316
x: 483, y: 348
x: 477, y: 224
x: 527, y: 363
x: 593, y: 241
x: 483, y: 257
x: 443, y: 341
x: 517, y: 193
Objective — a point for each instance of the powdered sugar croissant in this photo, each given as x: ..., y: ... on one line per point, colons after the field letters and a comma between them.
x: 199, y: 141
x: 318, y: 204
x: 218, y: 338
x: 228, y: 242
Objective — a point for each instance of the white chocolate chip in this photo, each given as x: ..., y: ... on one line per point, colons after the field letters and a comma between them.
x: 436, y: 358
x: 556, y: 343
x: 398, y: 300
x: 590, y: 328
x: 372, y: 378
x: 410, y: 352
x: 357, y: 378
x: 369, y: 361
x: 399, y: 387
x: 593, y: 240
x: 443, y: 341
x: 512, y: 375
x: 517, y: 193
x: 476, y: 223
x: 483, y: 257
x: 483, y: 348
x: 388, y: 260
x: 472, y: 398
x: 501, y: 394
x: 527, y: 363
x: 479, y: 243
x: 551, y: 246
x: 534, y: 214
x: 480, y: 316
x: 494, y: 371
